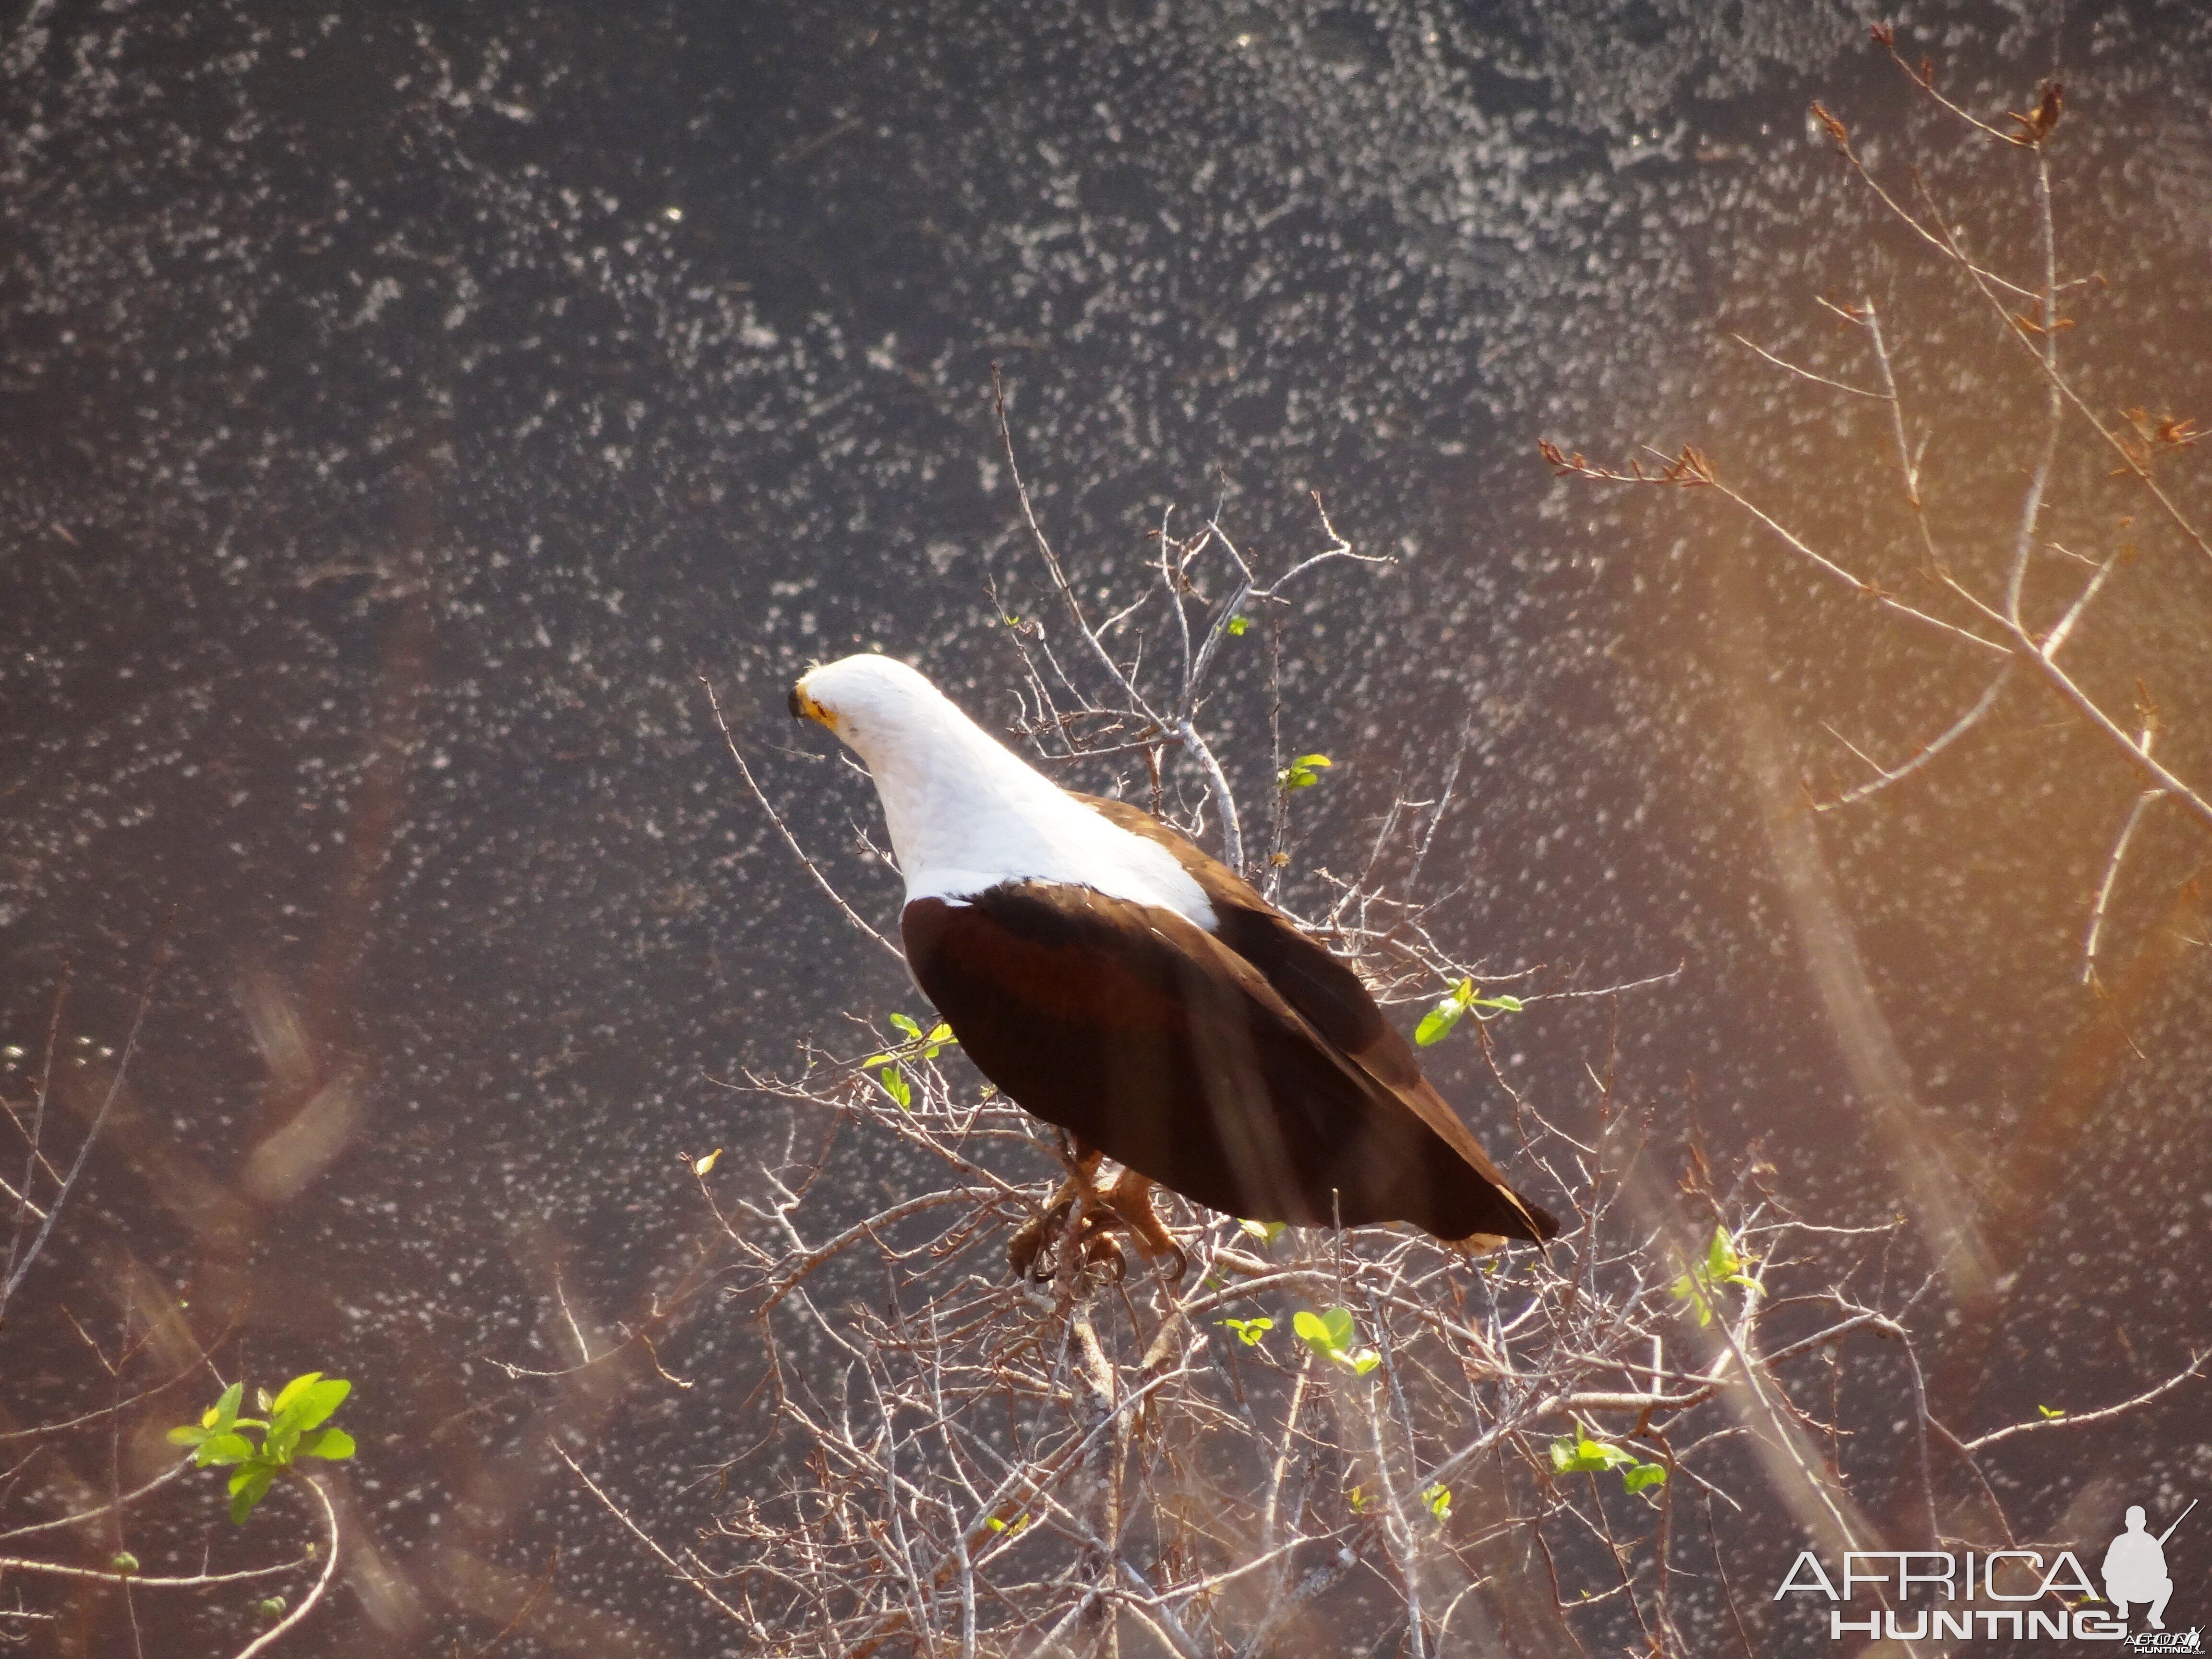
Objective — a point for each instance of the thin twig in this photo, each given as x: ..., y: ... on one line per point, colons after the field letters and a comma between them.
x: 2143, y: 803
x: 99, y: 1118
x: 1807, y: 373
x: 681, y: 1572
x: 1885, y: 775
x: 268, y: 1637
x: 784, y: 829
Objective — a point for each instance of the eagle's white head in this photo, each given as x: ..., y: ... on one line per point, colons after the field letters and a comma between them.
x: 964, y: 812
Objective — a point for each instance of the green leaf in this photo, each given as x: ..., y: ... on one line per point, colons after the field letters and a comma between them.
x: 1641, y: 1476
x: 1303, y: 773
x: 187, y: 1434
x: 326, y: 1397
x: 1438, y: 1498
x: 1237, y: 625
x: 1325, y: 1333
x: 897, y: 1086
x: 1266, y: 1231
x: 1581, y: 1455
x: 1436, y: 1024
x: 248, y: 1486
x: 332, y: 1443
x: 226, y: 1409
x: 1249, y: 1332
x: 123, y: 1561
x: 293, y: 1390
x: 1690, y: 1288
x: 1330, y: 1334
x: 912, y: 1028
x: 218, y: 1450
x: 2047, y: 1411
x: 307, y: 1401
x: 1724, y: 1264
x: 1507, y: 1004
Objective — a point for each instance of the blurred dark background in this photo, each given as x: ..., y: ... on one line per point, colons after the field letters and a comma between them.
x: 402, y: 408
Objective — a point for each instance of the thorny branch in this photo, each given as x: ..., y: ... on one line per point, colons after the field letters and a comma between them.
x: 1993, y: 615
x: 974, y: 1463
x: 1169, y: 717
x: 973, y: 1460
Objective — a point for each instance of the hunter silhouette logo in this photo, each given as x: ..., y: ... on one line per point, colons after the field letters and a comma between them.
x: 2135, y: 1567
x: 2135, y: 1570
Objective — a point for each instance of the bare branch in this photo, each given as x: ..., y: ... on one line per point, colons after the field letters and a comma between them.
x: 2091, y: 939
x: 2082, y: 1419
x: 1885, y: 775
x: 1808, y: 375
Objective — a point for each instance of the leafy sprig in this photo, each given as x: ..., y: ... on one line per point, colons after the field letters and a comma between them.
x: 1332, y: 1335
x: 1581, y: 1453
x: 1725, y: 1263
x: 919, y: 1045
x: 297, y: 1426
x: 1436, y: 1024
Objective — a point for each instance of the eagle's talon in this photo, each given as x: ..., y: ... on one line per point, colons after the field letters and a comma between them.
x: 1027, y: 1245
x: 1101, y: 1247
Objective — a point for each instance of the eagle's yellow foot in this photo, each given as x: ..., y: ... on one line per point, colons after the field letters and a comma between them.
x: 1124, y: 1206
x: 1023, y: 1248
x: 1130, y: 1200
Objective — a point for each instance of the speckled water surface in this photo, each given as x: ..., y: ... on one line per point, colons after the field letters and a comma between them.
x: 402, y: 408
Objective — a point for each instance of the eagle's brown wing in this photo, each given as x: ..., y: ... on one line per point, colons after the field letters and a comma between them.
x: 1329, y: 995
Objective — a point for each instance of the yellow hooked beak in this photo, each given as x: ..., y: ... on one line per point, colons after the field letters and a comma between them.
x: 804, y: 708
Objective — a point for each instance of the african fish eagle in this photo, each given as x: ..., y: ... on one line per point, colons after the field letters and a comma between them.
x: 1115, y: 980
